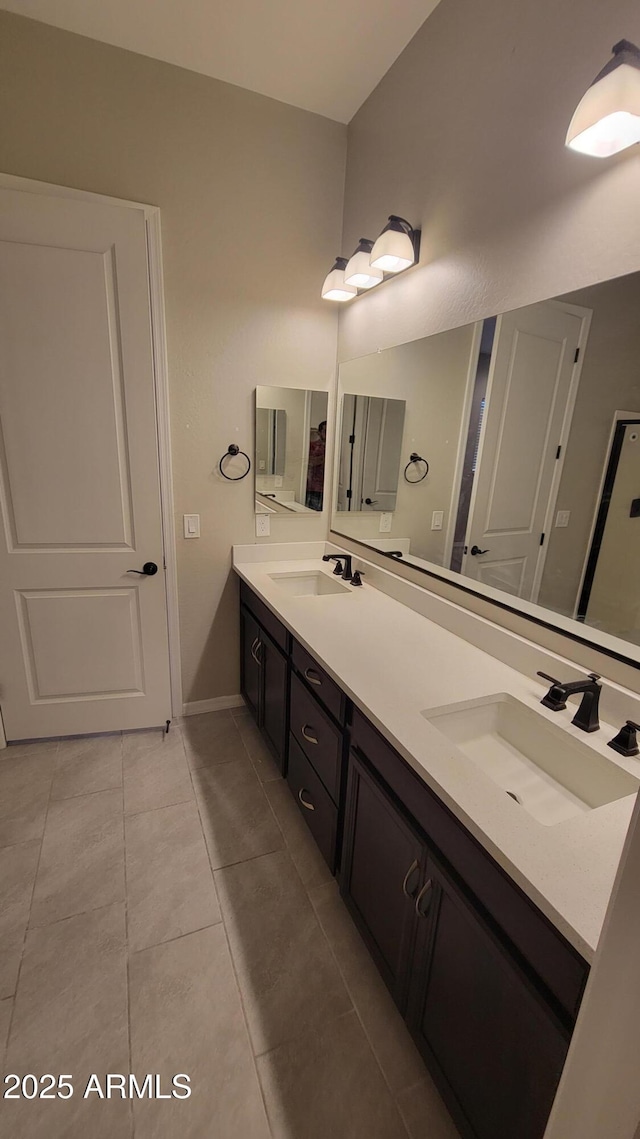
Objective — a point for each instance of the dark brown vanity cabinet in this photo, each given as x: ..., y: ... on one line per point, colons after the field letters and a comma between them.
x: 492, y: 1018
x: 264, y: 653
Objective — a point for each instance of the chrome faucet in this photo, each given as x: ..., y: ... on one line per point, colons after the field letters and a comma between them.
x: 586, y: 717
x: 346, y: 558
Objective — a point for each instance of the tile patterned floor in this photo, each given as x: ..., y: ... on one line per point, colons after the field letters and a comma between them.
x: 164, y: 910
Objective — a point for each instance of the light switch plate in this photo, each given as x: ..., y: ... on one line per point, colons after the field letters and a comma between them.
x: 263, y: 526
x: 436, y: 519
x: 191, y: 523
x: 385, y: 522
x: 562, y: 517
x: 278, y: 481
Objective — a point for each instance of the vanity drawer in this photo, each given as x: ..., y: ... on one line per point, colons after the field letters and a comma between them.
x: 273, y: 626
x: 323, y: 687
x: 561, y: 968
x: 317, y: 735
x: 316, y: 806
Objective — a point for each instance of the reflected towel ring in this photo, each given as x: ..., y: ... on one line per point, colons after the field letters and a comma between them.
x: 415, y: 458
x: 233, y: 450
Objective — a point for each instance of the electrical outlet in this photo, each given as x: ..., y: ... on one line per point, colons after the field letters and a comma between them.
x: 191, y: 523
x: 263, y: 526
x: 436, y: 519
x: 562, y: 517
x: 385, y: 522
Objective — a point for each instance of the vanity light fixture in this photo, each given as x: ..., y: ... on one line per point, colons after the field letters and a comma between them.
x: 359, y: 271
x: 607, y: 118
x: 334, y: 288
x: 398, y: 246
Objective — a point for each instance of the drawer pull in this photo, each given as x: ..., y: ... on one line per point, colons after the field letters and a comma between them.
x: 257, y: 644
x: 312, y: 676
x: 415, y: 865
x: 305, y: 731
x: 426, y: 889
x: 309, y: 806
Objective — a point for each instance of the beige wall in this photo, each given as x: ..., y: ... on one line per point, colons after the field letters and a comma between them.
x: 609, y: 382
x: 465, y: 136
x: 251, y: 197
x: 431, y: 376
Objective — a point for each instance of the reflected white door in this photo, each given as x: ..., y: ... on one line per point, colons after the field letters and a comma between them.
x: 528, y: 400
x: 83, y: 641
x: 382, y: 450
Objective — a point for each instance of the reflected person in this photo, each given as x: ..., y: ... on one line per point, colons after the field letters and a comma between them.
x: 315, y: 471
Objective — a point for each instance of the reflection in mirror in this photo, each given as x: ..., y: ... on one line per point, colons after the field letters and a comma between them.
x: 291, y: 431
x: 370, y: 448
x: 531, y: 425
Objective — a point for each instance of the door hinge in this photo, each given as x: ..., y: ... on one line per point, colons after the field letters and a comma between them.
x: 558, y: 451
x: 352, y: 438
x: 542, y: 538
x: 575, y: 358
x: 349, y: 494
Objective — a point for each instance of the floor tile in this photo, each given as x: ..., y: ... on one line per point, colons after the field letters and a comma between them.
x: 170, y: 888
x: 288, y: 976
x: 6, y: 1008
x: 155, y: 771
x: 395, y: 1051
x: 34, y: 747
x: 82, y: 860
x: 326, y: 1082
x: 18, y: 866
x: 237, y: 820
x: 210, y: 739
x: 93, y: 763
x: 186, y: 1016
x: 25, y: 783
x: 264, y: 764
x: 307, y: 859
x: 71, y: 1017
x: 424, y: 1113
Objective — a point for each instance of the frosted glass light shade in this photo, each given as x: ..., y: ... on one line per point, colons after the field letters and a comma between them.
x: 607, y: 118
x: 359, y: 271
x: 394, y: 250
x: 334, y: 288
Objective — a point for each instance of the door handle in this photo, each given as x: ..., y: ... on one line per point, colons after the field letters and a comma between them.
x: 426, y: 889
x: 414, y: 866
x: 305, y: 731
x: 148, y: 569
x: 475, y: 550
x: 309, y: 806
x: 371, y: 501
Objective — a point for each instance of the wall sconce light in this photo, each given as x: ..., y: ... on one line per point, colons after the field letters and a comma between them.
x: 359, y: 271
x: 334, y: 288
x: 398, y: 246
x: 607, y: 118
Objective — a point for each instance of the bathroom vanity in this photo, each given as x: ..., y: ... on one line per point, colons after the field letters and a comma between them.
x: 481, y: 907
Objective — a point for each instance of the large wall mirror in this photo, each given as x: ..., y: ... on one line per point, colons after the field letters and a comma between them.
x: 290, y: 435
x: 530, y: 426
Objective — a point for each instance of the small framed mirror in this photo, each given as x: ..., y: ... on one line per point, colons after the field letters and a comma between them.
x: 290, y: 443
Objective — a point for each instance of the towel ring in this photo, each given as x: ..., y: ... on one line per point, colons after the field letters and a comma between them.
x: 231, y: 451
x: 415, y: 458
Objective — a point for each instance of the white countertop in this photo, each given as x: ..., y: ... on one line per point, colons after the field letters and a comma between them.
x: 394, y: 663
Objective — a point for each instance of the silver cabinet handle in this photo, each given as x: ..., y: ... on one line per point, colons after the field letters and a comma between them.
x: 257, y: 644
x: 309, y: 806
x: 305, y: 731
x: 313, y: 679
x: 426, y: 889
x: 415, y: 865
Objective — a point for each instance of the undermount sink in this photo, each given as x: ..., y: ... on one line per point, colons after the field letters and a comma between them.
x: 550, y: 773
x: 308, y: 583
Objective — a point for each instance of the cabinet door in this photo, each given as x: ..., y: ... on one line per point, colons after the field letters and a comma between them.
x: 382, y: 869
x: 495, y: 1049
x: 251, y: 673
x: 275, y: 690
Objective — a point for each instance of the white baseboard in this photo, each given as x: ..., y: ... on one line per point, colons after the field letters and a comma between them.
x: 216, y: 704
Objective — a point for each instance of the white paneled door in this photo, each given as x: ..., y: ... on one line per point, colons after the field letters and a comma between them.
x: 83, y: 639
x: 526, y: 420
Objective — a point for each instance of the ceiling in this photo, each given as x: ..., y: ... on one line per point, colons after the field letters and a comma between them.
x: 323, y: 55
